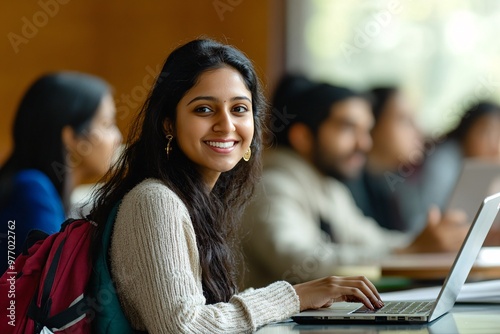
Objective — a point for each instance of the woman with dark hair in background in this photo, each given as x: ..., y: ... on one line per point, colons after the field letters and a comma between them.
x: 478, y: 132
x: 64, y: 132
x: 477, y: 135
x: 193, y: 158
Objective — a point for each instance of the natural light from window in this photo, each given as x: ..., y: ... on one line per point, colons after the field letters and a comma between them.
x: 445, y: 54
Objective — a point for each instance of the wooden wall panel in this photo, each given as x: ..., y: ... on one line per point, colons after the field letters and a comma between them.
x: 124, y: 42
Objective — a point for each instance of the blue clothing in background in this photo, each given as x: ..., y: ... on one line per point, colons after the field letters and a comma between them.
x: 33, y: 204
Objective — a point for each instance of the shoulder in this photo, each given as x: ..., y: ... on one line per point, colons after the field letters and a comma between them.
x: 338, y: 190
x: 33, y: 179
x: 148, y: 215
x: 447, y: 155
x: 35, y: 202
x: 154, y: 195
x: 282, y: 158
x: 32, y: 185
x: 449, y: 149
x: 152, y: 189
x: 284, y: 168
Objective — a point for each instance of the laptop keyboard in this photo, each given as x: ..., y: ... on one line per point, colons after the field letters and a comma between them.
x: 399, y: 308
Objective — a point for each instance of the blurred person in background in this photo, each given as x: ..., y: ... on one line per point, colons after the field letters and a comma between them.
x: 397, y: 147
x: 64, y: 133
x: 303, y: 222
x: 477, y: 135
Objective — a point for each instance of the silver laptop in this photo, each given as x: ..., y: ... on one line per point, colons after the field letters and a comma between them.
x: 478, y: 179
x: 417, y: 311
x: 446, y: 324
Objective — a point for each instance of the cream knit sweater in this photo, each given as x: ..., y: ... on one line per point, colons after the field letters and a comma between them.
x: 155, y: 264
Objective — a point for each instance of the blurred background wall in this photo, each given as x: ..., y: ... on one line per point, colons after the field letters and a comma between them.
x: 444, y: 53
x: 125, y: 42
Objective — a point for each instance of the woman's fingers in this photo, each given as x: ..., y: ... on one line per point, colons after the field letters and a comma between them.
x: 366, y: 290
x: 351, y: 294
x: 369, y: 285
x: 325, y: 291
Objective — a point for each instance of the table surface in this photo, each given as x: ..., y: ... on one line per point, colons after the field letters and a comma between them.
x: 463, y: 319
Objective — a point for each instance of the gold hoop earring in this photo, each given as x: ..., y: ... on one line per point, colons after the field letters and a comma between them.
x: 247, y: 154
x: 168, y: 149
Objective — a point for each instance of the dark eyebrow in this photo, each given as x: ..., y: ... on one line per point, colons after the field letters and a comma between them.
x: 209, y: 98
x: 241, y: 98
x: 214, y: 99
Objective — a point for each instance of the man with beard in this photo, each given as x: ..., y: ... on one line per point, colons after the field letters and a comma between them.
x: 303, y: 222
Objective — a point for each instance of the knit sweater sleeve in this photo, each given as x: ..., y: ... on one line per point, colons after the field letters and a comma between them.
x: 155, y: 264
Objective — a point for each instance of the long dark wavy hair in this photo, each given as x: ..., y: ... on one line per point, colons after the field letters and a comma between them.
x: 215, y: 214
x: 53, y: 101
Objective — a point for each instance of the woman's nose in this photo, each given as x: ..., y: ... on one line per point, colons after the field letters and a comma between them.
x: 224, y: 122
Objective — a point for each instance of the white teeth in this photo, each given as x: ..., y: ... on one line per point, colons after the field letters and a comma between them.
x: 226, y: 144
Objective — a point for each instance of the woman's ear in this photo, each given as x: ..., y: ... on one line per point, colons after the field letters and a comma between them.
x: 168, y: 127
x: 69, y: 139
x: 301, y: 139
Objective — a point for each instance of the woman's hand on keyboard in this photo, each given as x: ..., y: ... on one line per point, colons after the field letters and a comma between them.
x: 324, y: 292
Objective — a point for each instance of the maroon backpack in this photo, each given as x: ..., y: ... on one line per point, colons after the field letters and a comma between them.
x: 45, y: 287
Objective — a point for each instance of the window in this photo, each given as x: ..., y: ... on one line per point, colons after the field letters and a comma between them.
x: 444, y: 54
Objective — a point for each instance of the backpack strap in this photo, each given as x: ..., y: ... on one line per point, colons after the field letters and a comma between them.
x: 40, y: 314
x: 36, y: 235
x: 68, y: 316
x: 108, y: 229
x: 33, y: 237
x: 109, y: 319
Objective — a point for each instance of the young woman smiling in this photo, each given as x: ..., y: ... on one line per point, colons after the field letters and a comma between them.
x: 189, y: 170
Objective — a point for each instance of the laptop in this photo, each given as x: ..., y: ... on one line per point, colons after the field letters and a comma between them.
x: 446, y: 324
x: 409, y: 311
x: 478, y: 179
